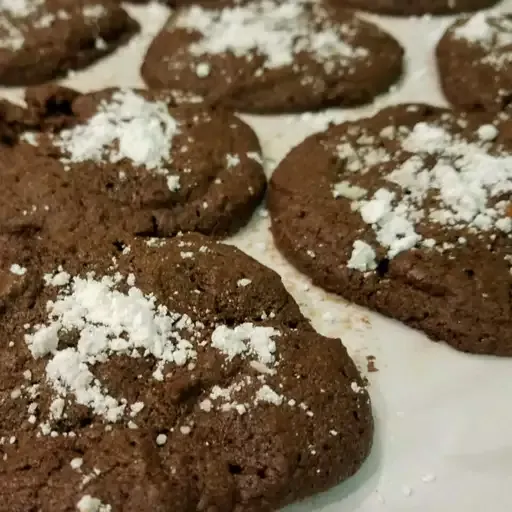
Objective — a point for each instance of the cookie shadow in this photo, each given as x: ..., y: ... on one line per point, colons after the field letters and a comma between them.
x: 353, y: 492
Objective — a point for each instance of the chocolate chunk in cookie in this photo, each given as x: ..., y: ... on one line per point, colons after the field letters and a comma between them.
x: 131, y: 160
x: 43, y: 39
x: 169, y: 375
x: 417, y: 7
x: 273, y: 56
x: 475, y: 62
x: 409, y: 213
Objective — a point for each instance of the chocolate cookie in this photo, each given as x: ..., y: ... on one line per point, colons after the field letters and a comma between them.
x: 274, y: 56
x: 43, y: 39
x: 475, y: 62
x: 416, y: 7
x: 125, y: 159
x: 409, y: 213
x: 167, y: 375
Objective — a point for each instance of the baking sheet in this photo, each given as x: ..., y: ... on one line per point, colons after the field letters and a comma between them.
x: 443, y: 419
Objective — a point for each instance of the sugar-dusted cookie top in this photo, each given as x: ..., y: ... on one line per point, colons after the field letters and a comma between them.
x: 43, y: 39
x: 271, y: 55
x: 410, y: 213
x: 475, y: 62
x: 132, y: 160
x: 157, y: 375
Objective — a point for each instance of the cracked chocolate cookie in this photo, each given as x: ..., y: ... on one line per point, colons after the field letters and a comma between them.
x: 165, y: 375
x: 474, y: 59
x: 43, y: 39
x: 409, y: 213
x: 274, y: 56
x: 126, y: 159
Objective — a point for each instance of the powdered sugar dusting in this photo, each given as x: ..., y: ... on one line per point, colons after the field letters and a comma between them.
x: 358, y: 159
x: 491, y: 32
x: 19, y: 16
x: 108, y: 316
x: 486, y: 29
x: 108, y: 322
x: 276, y: 30
x: 14, y: 12
x: 460, y: 190
x: 126, y: 127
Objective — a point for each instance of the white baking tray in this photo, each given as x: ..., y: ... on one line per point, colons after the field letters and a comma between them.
x: 443, y: 438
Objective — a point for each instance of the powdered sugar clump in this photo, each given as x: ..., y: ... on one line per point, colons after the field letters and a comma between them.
x: 125, y: 127
x: 394, y: 227
x: 363, y: 257
x: 267, y: 394
x: 17, y: 269
x: 345, y: 189
x: 89, y: 504
x: 161, y: 439
x: 107, y: 322
x: 60, y: 278
x: 227, y: 397
x: 246, y: 339
x: 276, y: 30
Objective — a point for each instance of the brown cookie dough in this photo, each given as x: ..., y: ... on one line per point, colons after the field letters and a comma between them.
x: 44, y: 39
x: 409, y: 213
x: 474, y: 58
x: 166, y: 375
x: 416, y: 7
x: 127, y: 160
x: 274, y: 56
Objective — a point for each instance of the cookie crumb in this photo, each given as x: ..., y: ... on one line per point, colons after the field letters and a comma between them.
x: 370, y: 364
